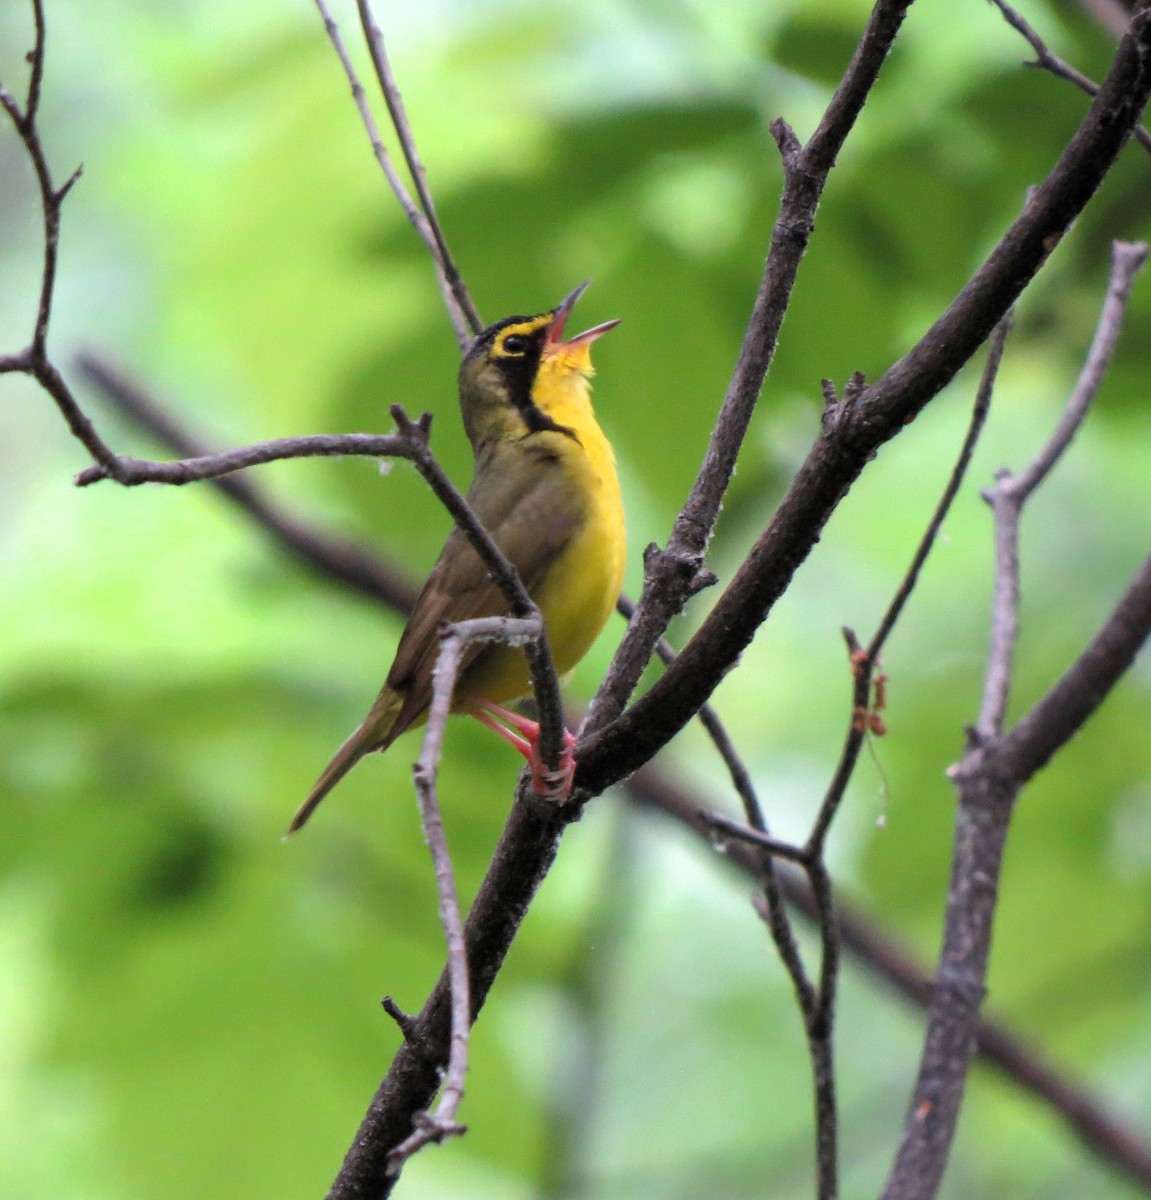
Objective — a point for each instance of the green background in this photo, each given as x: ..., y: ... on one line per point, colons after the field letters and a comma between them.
x: 188, y: 1006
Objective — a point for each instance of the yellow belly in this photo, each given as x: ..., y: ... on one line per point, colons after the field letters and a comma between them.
x: 579, y: 592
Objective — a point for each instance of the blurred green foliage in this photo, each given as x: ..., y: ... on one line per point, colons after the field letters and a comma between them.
x: 188, y: 1007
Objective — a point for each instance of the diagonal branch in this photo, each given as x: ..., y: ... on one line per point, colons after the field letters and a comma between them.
x: 330, y: 556
x: 865, y: 661
x: 1048, y: 61
x: 1009, y: 493
x: 817, y: 1000
x: 461, y: 311
x: 672, y: 576
x: 869, y: 420
x: 400, y: 123
x: 989, y: 778
x: 652, y: 789
x: 435, y: 1127
x: 1117, y: 1142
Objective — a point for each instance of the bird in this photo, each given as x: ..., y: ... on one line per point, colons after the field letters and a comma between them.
x: 545, y: 487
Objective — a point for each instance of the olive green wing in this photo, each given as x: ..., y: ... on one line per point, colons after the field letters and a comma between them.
x: 531, y: 511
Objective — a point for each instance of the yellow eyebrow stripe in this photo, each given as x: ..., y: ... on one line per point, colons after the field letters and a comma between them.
x: 525, y: 328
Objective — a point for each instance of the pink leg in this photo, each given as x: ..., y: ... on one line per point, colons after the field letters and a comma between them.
x: 554, y: 784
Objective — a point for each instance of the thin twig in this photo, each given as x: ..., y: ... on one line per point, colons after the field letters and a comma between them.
x: 36, y: 78
x: 434, y: 1127
x: 770, y: 903
x: 871, y: 946
x: 383, y: 157
x: 1048, y: 61
x: 865, y: 661
x: 34, y: 360
x: 331, y: 556
x: 722, y: 828
x: 1008, y: 494
x: 818, y: 1000
x: 989, y: 778
x: 387, y: 81
x: 674, y: 574
x: 821, y: 1029
x: 454, y: 640
x: 882, y: 411
x: 131, y: 472
x: 979, y: 413
x: 425, y: 225
x: 1116, y: 1141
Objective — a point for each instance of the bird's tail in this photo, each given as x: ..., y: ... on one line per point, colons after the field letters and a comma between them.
x: 376, y: 733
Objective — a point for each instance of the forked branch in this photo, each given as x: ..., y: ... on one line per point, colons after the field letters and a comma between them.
x: 454, y: 640
x: 1047, y: 60
x: 817, y: 999
x: 990, y: 776
x: 880, y: 412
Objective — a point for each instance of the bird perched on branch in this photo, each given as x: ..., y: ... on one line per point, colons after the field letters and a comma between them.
x: 545, y: 488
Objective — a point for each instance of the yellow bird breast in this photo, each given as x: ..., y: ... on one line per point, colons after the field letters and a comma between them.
x: 578, y: 592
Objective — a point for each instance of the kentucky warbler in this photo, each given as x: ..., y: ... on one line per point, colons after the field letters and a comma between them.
x: 545, y: 487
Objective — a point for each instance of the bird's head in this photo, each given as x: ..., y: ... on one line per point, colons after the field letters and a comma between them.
x: 514, y: 372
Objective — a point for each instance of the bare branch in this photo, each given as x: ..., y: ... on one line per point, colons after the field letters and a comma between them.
x: 673, y: 575
x: 724, y: 828
x: 332, y: 557
x: 131, y: 472
x: 39, y: 367
x: 1058, y: 67
x: 36, y: 78
x: 34, y: 360
x: 1009, y: 493
x: 434, y: 1127
x: 988, y: 779
x: 1055, y: 719
x: 864, y: 662
x: 383, y: 158
x: 979, y: 413
x: 818, y: 1001
x: 877, y: 414
x: 429, y: 1127
x: 383, y: 67
x: 651, y: 789
x: 821, y: 1018
x: 426, y: 226
x: 1116, y: 1141
x: 1127, y: 259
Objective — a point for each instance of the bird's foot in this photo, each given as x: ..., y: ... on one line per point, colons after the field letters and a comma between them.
x: 552, y: 783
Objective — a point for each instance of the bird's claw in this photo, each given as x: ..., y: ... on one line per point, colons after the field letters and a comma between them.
x: 553, y: 783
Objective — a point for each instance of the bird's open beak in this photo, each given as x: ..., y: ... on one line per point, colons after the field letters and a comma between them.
x: 555, y: 335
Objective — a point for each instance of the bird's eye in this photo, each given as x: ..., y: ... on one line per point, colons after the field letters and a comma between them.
x: 515, y: 343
